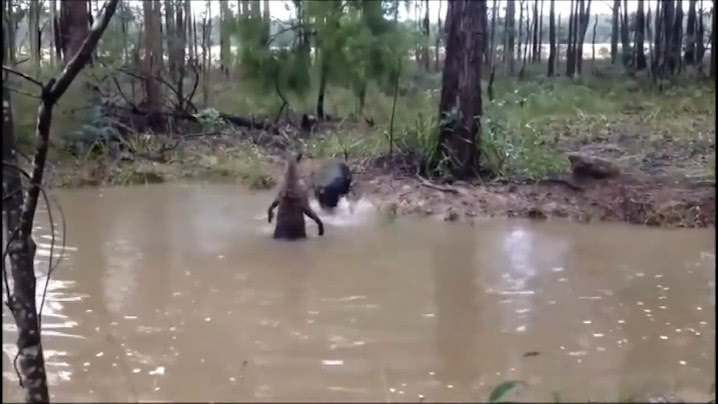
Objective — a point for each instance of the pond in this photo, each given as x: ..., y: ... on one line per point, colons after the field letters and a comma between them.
x: 178, y: 292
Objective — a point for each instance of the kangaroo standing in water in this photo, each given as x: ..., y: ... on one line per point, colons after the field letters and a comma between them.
x: 293, y: 204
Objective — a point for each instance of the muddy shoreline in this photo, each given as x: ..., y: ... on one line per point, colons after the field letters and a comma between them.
x: 635, y: 199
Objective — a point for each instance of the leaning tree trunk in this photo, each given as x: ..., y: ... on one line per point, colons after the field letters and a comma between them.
x: 551, y: 37
x: 461, y: 87
x: 640, y: 58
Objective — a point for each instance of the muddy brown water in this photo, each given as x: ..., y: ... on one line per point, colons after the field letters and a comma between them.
x: 178, y: 292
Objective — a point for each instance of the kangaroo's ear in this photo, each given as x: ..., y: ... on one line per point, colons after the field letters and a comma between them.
x: 299, y: 156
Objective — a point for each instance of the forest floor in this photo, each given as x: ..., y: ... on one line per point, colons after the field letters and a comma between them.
x: 663, y: 143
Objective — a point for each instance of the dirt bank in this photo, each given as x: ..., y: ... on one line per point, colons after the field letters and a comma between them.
x: 662, y: 182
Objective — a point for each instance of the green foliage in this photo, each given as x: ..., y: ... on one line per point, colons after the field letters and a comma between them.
x: 503, y: 389
x: 209, y: 118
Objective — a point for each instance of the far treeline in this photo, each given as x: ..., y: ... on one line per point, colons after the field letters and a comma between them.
x: 162, y: 50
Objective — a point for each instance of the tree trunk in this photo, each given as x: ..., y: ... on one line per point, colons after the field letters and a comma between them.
x: 678, y: 35
x: 207, y: 52
x: 245, y: 8
x: 535, y: 44
x: 73, y: 27
x: 461, y: 86
x: 55, y: 54
x: 700, y: 44
x: 188, y: 33
x: 713, y: 41
x: 322, y: 86
x: 426, y: 30
x: 256, y: 9
x: 437, y: 65
x: 171, y: 37
x: 614, y: 30
x: 150, y: 62
x: 570, y: 63
x: 593, y: 41
x: 551, y: 37
x: 625, y: 39
x: 691, y: 34
x: 10, y: 28
x: 511, y: 34
x: 181, y: 45
x: 585, y: 18
x: 558, y: 42
x: 34, y: 31
x: 31, y: 361
x: 540, y: 36
x: 668, y: 38
x: 640, y: 59
x: 521, y: 24
x: 224, y: 38
x: 267, y: 23
x: 492, y: 43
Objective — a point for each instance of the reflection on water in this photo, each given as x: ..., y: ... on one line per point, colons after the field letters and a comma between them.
x: 179, y: 293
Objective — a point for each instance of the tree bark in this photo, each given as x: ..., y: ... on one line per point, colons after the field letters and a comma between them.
x: 640, y: 58
x: 535, y: 44
x: 585, y: 18
x: 691, y: 34
x: 540, y: 48
x: 511, y: 33
x: 224, y: 50
x: 521, y: 24
x: 461, y: 86
x: 34, y: 31
x: 551, y: 37
x: 614, y: 30
x: 171, y: 36
x: 625, y: 39
x: 570, y: 64
x: 700, y: 44
x: 668, y: 38
x: 713, y: 41
x: 678, y: 35
x: 593, y: 41
x: 150, y: 62
x: 492, y: 43
x: 437, y: 45
x: 73, y: 27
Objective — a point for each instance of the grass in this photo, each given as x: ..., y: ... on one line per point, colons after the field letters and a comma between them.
x: 525, y: 130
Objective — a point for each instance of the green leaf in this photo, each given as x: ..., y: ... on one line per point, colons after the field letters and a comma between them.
x: 502, y: 390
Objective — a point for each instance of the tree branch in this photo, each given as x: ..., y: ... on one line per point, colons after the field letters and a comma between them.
x: 23, y: 75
